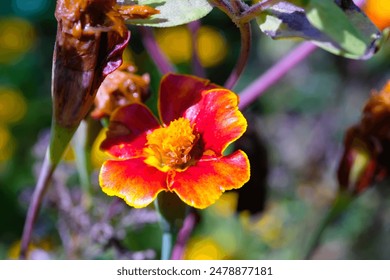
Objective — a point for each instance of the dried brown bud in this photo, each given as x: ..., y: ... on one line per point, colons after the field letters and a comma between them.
x: 120, y: 88
x: 366, y: 158
x: 91, y: 37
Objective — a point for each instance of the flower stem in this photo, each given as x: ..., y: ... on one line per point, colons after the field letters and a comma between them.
x: 161, y: 61
x: 275, y: 73
x: 172, y: 211
x: 168, y: 239
x: 59, y: 141
x: 45, y: 175
x: 82, y: 143
x: 339, y: 205
x: 246, y: 37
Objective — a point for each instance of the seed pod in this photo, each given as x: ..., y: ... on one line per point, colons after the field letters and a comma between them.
x: 91, y: 38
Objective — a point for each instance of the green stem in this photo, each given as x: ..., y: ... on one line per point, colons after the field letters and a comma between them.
x: 172, y: 212
x: 168, y: 240
x: 340, y: 204
x: 84, y: 138
x: 83, y: 162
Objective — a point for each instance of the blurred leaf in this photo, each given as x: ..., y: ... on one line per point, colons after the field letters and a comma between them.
x: 146, y: 237
x: 339, y: 27
x: 173, y: 12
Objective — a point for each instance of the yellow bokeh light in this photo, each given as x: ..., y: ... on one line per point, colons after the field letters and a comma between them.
x: 175, y: 42
x: 212, y: 48
x: 13, y: 251
x: 204, y: 249
x: 268, y: 227
x: 13, y: 106
x: 6, y: 144
x: 16, y: 37
x: 226, y: 205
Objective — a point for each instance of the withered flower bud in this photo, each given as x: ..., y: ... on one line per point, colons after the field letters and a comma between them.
x: 120, y: 88
x: 91, y: 37
x: 366, y: 158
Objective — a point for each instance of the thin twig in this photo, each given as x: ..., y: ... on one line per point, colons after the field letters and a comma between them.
x: 35, y: 204
x: 154, y: 51
x: 225, y: 7
x: 254, y: 10
x: 246, y: 37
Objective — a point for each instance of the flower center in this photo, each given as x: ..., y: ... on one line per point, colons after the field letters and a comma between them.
x: 170, y: 147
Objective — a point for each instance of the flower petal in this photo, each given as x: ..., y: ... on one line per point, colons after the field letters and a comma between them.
x: 217, y: 119
x: 134, y: 181
x: 179, y: 92
x: 126, y: 135
x: 201, y: 185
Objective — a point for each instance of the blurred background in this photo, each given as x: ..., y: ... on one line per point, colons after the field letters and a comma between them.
x: 294, y: 142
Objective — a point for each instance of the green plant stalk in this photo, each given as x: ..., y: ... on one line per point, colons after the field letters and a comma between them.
x: 339, y: 205
x: 172, y: 212
x: 83, y: 161
x: 59, y: 141
x: 169, y: 237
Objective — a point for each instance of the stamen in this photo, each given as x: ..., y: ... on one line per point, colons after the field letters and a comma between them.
x: 170, y: 147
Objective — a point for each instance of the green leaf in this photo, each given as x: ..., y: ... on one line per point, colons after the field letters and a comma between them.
x: 173, y: 12
x: 59, y: 141
x: 338, y: 26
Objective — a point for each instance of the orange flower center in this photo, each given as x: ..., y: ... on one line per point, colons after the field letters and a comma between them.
x: 171, y: 147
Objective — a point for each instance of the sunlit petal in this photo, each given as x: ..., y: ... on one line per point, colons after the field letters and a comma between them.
x: 201, y: 185
x: 134, y: 181
x: 178, y: 93
x: 217, y: 119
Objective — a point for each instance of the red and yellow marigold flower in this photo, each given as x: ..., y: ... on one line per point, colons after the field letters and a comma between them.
x: 183, y: 152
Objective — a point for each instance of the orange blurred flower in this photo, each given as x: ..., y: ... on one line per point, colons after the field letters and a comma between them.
x: 120, y: 88
x: 366, y: 158
x: 184, y: 154
x: 379, y: 12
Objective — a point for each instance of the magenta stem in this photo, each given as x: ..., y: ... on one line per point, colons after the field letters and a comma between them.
x: 246, y: 37
x: 35, y: 204
x: 275, y: 73
x: 159, y: 58
x: 183, y: 236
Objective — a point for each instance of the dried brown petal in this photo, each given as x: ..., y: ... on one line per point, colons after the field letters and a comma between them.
x: 137, y: 11
x: 376, y: 114
x: 120, y: 88
x: 91, y: 38
x: 366, y: 158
